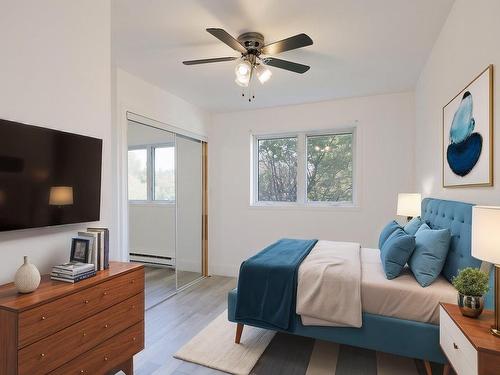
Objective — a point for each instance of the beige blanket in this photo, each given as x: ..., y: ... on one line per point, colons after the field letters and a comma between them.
x: 329, y: 285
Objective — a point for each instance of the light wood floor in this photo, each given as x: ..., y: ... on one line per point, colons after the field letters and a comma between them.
x: 160, y: 283
x: 175, y: 321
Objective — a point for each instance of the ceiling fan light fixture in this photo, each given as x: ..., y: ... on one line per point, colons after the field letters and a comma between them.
x: 263, y: 73
x: 242, y: 81
x: 243, y: 69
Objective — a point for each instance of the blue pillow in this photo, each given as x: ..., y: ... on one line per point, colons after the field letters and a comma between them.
x: 412, y: 226
x: 396, y: 251
x: 431, y: 248
x: 386, y: 232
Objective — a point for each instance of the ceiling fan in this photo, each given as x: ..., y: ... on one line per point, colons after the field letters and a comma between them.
x: 254, y: 55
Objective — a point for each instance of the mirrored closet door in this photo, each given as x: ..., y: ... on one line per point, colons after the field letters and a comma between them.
x: 189, y: 210
x: 165, y: 208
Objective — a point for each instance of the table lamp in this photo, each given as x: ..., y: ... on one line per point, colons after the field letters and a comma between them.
x: 486, y: 246
x: 409, y: 205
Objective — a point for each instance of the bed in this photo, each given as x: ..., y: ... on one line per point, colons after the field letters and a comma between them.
x: 383, y: 328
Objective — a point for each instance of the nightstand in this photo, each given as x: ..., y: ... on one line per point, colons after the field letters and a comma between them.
x: 467, y: 343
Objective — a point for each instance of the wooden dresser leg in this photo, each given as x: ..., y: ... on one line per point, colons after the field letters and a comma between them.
x: 428, y: 368
x: 239, y: 331
x: 446, y: 369
x: 127, y: 367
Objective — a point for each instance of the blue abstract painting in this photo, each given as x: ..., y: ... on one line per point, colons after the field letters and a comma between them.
x: 465, y: 146
x: 467, y: 133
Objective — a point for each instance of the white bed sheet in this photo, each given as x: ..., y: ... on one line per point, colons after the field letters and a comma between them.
x: 402, y: 297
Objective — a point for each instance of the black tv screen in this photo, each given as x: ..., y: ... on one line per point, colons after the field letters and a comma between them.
x: 47, y: 177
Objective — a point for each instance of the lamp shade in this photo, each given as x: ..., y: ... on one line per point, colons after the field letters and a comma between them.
x: 409, y: 204
x: 486, y: 233
x: 61, y: 196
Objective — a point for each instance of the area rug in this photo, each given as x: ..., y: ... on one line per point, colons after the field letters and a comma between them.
x: 262, y: 352
x: 214, y: 347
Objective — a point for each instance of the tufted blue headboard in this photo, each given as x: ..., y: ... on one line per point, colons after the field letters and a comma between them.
x: 457, y: 216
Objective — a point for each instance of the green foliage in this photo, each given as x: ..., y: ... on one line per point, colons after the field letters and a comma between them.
x: 329, y: 168
x: 471, y: 282
x: 278, y: 170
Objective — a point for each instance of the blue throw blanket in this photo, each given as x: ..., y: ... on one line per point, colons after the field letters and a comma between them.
x: 267, y: 284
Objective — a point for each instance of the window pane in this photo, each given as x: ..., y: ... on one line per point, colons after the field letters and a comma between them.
x: 164, y: 174
x: 329, y: 168
x: 277, y: 170
x: 137, y: 174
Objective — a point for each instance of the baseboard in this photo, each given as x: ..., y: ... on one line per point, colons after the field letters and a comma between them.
x: 230, y: 270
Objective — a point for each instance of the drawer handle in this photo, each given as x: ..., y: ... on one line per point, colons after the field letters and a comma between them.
x: 44, y: 317
x: 455, y: 346
x: 105, y: 358
x: 42, y: 355
x: 86, y: 302
x: 134, y: 338
x: 132, y: 281
x: 105, y: 294
x: 82, y: 371
x: 106, y: 326
x: 84, y: 334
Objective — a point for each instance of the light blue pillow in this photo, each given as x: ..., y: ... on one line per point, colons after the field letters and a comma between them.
x: 412, y: 226
x: 396, y: 251
x: 431, y: 248
x: 386, y: 232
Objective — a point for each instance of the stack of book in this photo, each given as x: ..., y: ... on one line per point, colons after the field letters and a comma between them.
x: 72, y: 272
x: 99, y: 247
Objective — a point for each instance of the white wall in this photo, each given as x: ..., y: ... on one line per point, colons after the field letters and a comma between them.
x: 467, y: 44
x: 55, y: 72
x: 385, y: 131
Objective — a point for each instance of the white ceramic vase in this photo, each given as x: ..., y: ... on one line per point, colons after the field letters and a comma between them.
x: 27, y: 277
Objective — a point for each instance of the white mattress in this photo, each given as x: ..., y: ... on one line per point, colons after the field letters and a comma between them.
x: 402, y: 297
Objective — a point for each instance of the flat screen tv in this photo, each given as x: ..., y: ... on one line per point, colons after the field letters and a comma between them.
x: 47, y: 177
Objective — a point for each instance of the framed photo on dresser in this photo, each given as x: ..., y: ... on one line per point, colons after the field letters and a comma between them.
x: 468, y: 134
x: 80, y: 249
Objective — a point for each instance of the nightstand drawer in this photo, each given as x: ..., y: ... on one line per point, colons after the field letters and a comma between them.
x: 460, y: 352
x: 42, y: 321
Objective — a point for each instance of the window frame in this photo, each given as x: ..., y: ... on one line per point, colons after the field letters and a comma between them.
x: 150, y: 175
x: 302, y: 199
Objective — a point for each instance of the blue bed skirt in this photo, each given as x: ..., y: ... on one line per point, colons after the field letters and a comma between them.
x: 391, y: 335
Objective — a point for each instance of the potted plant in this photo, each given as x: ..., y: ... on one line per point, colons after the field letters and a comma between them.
x: 472, y: 285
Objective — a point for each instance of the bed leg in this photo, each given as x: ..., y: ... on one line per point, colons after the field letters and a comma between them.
x: 447, y: 368
x: 239, y: 331
x: 428, y: 368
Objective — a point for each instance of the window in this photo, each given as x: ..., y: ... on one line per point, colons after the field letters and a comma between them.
x: 303, y: 168
x: 329, y: 168
x: 277, y: 170
x: 137, y: 174
x: 151, y: 173
x: 164, y: 178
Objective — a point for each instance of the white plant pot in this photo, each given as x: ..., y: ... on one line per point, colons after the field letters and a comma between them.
x: 27, y: 277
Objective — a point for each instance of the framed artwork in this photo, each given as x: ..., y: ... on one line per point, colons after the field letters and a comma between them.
x: 80, y: 249
x: 468, y: 134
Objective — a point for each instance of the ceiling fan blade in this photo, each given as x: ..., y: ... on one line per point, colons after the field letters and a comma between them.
x: 294, y: 42
x: 287, y: 65
x: 226, y: 38
x: 206, y: 61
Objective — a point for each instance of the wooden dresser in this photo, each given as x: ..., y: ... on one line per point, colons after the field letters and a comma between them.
x: 92, y: 327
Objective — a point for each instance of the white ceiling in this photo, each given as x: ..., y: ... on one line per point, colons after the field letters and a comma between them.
x: 361, y: 47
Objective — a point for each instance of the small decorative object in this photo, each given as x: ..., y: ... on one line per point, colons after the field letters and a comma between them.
x: 80, y: 249
x: 27, y: 278
x: 468, y: 134
x: 472, y: 285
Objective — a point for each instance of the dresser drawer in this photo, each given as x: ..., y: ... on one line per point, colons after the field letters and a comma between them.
x: 107, y: 355
x: 460, y: 352
x: 45, y: 320
x: 53, y: 351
